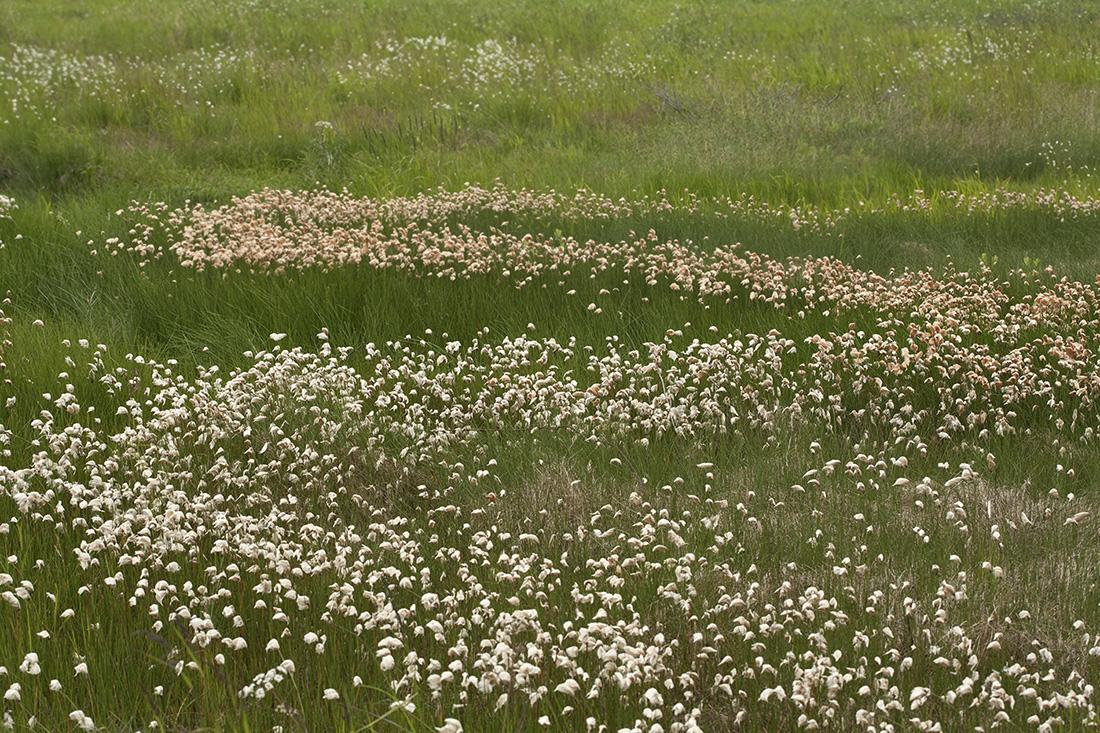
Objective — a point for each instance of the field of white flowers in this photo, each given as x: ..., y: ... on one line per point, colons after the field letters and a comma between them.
x: 523, y: 365
x: 795, y: 528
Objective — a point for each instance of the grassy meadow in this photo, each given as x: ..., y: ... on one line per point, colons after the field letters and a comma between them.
x: 565, y: 365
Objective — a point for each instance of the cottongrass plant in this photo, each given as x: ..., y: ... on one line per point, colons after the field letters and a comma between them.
x: 7, y: 205
x: 408, y: 531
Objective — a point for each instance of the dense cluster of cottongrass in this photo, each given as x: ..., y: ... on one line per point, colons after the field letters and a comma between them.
x: 414, y: 531
x: 430, y: 234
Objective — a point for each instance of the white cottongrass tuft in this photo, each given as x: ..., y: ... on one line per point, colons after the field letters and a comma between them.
x: 30, y: 664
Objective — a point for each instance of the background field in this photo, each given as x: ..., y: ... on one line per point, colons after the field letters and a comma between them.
x: 960, y: 138
x: 822, y: 105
